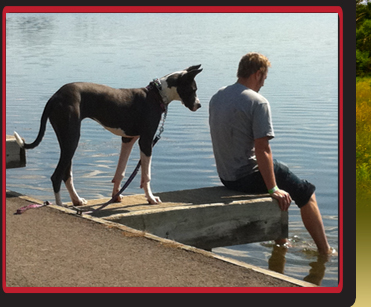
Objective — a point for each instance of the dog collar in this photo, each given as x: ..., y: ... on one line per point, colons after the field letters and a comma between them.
x: 156, y: 84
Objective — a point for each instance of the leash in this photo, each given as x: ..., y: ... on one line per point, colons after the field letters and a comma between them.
x: 80, y: 211
x: 32, y: 206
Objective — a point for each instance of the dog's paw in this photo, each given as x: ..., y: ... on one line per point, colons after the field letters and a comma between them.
x: 80, y: 202
x: 154, y: 200
x: 118, y: 199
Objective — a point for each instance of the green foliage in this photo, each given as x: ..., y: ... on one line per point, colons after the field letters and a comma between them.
x: 363, y: 136
x: 363, y: 63
x: 361, y: 12
x: 363, y: 38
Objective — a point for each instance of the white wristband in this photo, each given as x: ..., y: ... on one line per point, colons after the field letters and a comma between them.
x: 275, y: 189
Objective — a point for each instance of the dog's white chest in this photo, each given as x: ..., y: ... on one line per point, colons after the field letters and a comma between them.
x: 116, y: 131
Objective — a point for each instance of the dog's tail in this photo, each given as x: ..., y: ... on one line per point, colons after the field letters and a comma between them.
x: 40, y: 136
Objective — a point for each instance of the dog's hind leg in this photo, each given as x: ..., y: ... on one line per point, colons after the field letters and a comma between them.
x: 76, y: 199
x: 126, y: 147
x: 64, y: 172
x: 60, y: 174
x: 67, y: 129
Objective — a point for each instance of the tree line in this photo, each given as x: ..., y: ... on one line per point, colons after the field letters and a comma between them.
x: 363, y: 38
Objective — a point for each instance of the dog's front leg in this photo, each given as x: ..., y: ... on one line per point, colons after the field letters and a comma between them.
x: 146, y: 178
x: 126, y: 147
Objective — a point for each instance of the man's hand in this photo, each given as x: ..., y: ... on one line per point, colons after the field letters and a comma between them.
x: 284, y: 199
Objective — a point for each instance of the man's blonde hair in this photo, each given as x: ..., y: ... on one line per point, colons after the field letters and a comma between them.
x: 252, y: 62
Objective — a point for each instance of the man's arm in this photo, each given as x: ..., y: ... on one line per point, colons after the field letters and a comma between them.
x: 265, y: 163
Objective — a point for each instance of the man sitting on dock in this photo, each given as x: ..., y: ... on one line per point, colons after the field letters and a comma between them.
x: 241, y: 127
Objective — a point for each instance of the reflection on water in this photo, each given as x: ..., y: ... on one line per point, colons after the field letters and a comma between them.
x: 277, y: 263
x: 45, y: 51
x: 292, y: 259
x: 317, y: 272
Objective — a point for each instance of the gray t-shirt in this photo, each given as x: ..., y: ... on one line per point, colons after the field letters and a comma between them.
x: 238, y: 116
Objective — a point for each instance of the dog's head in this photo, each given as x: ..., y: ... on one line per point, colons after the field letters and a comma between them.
x: 185, y: 86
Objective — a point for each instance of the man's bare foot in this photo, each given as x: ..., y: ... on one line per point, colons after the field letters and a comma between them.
x: 330, y: 252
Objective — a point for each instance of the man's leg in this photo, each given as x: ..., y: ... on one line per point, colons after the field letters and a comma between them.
x: 312, y: 220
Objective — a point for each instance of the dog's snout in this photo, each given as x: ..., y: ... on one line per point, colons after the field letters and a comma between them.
x: 196, y: 106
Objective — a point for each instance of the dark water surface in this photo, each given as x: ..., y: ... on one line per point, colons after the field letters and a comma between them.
x: 45, y: 51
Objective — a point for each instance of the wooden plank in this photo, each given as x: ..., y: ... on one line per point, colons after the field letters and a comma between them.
x: 15, y: 155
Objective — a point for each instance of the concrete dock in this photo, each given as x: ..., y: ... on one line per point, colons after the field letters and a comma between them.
x: 205, y: 217
x: 53, y: 247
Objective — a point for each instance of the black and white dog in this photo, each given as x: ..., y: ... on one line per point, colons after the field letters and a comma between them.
x: 130, y: 113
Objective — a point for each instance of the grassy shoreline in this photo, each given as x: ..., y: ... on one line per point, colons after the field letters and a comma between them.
x: 363, y: 137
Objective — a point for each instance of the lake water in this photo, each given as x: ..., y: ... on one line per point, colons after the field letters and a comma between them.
x: 45, y: 51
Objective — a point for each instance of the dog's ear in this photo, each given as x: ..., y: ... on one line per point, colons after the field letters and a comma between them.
x: 192, y: 68
x: 192, y: 74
